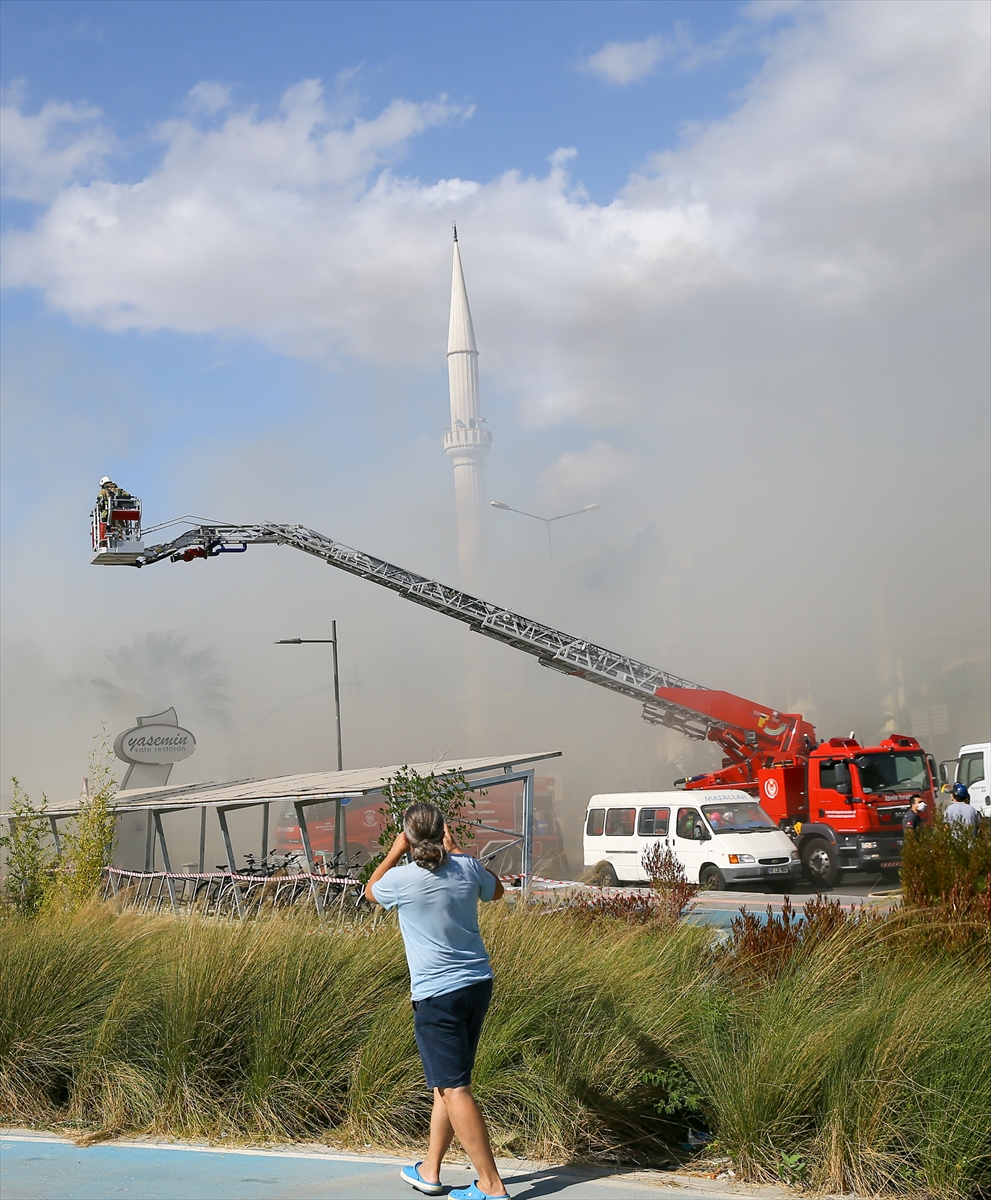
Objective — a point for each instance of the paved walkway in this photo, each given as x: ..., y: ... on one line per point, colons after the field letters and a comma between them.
x: 35, y: 1166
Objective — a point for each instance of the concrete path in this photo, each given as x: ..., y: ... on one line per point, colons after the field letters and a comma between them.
x: 35, y: 1166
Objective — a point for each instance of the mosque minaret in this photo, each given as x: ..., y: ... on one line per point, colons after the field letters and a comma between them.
x: 468, y: 440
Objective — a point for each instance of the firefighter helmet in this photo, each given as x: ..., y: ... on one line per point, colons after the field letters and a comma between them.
x: 105, y: 480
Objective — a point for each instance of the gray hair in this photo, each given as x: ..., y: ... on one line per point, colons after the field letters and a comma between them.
x: 423, y: 825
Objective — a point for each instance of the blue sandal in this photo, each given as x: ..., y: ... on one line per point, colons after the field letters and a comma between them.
x: 474, y: 1192
x: 413, y: 1177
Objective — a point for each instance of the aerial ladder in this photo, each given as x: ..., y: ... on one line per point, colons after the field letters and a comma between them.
x: 764, y: 752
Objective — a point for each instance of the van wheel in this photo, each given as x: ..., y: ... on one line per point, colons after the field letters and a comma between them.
x: 605, y: 875
x: 821, y: 862
x: 711, y: 879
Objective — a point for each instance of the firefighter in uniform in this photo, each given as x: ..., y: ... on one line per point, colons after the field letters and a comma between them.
x: 109, y: 491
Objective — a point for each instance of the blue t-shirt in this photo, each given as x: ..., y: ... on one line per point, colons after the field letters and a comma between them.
x: 438, y: 918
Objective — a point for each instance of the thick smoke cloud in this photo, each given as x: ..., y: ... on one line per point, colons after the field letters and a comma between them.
x: 765, y: 359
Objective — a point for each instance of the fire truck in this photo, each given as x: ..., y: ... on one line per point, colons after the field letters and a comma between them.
x: 497, y: 815
x: 841, y: 801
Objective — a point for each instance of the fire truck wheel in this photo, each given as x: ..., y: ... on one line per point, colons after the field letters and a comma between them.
x: 821, y: 862
x: 711, y: 879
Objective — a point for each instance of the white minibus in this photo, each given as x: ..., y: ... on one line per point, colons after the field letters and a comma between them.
x: 719, y: 837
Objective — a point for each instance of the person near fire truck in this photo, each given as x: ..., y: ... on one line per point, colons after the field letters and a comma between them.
x: 915, y: 818
x: 961, y: 811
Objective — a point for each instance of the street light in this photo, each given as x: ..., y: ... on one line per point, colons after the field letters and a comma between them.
x: 339, y: 842
x: 548, y: 521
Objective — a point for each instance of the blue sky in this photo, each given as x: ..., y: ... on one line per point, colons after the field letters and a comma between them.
x: 517, y: 64
x: 727, y: 265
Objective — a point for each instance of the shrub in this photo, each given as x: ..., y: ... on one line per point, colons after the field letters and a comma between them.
x: 30, y: 858
x: 947, y: 866
x: 452, y: 794
x: 89, y: 848
x: 757, y: 949
x: 668, y: 881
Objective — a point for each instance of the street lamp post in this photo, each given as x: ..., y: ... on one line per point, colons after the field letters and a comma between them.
x: 548, y: 521
x: 340, y: 835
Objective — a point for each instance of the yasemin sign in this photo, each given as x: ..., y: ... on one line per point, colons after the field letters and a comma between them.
x: 151, y: 748
x: 154, y: 744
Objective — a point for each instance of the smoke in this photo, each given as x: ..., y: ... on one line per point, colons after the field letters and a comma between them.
x: 764, y: 358
x: 156, y: 672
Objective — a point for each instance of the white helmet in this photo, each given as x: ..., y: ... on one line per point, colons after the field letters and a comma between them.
x: 105, y: 479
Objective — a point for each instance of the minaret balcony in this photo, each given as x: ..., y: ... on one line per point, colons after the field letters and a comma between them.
x: 462, y: 438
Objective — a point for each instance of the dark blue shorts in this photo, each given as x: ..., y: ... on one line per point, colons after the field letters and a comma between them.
x: 447, y: 1029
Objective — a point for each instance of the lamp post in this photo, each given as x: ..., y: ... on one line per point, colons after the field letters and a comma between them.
x: 548, y: 521
x: 340, y: 843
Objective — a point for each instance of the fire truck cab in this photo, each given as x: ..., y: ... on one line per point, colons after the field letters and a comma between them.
x: 844, y: 806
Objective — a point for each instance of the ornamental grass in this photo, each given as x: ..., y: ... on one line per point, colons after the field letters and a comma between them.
x: 855, y: 1056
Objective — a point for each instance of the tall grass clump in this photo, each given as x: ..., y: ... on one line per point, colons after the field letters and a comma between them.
x: 852, y: 1053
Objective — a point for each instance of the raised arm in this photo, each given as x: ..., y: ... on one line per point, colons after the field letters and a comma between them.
x: 396, y: 851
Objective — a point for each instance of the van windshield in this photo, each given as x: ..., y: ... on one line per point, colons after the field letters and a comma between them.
x: 738, y: 817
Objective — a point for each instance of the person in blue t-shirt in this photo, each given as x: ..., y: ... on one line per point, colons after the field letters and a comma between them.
x: 437, y: 896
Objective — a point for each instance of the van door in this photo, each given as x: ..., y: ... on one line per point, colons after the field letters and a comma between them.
x: 652, y: 830
x: 973, y: 771
x: 620, y: 844
x: 689, y: 832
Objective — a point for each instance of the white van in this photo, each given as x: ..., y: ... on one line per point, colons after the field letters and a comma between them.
x: 719, y: 837
x: 972, y: 766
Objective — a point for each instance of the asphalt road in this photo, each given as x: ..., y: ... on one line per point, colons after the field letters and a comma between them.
x: 44, y: 1167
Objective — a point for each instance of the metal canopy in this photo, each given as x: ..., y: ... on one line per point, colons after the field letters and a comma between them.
x: 312, y: 788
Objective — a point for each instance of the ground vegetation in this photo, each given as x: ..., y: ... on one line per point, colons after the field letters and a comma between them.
x: 848, y: 1053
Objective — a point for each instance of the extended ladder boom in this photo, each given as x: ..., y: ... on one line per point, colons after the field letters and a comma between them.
x: 743, y: 729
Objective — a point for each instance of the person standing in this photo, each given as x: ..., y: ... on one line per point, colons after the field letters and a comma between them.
x: 915, y: 818
x: 437, y: 895
x: 961, y: 811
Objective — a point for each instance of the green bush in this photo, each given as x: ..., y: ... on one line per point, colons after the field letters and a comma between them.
x: 947, y: 866
x: 29, y: 857
x: 858, y: 1063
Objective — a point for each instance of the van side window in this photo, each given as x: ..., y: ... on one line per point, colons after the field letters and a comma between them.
x: 688, y: 819
x: 971, y: 769
x: 653, y: 822
x: 619, y: 822
x: 593, y: 826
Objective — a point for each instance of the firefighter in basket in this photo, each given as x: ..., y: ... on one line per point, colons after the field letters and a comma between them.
x: 108, y: 493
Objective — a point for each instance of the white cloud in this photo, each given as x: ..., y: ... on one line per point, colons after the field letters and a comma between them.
x: 626, y: 62
x: 44, y: 151
x: 855, y: 163
x: 208, y: 97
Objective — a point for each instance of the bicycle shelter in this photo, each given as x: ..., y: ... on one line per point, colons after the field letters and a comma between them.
x: 303, y: 792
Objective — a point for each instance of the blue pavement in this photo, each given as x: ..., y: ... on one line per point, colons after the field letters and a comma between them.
x: 45, y: 1167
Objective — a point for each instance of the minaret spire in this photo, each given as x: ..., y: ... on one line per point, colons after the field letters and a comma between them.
x: 467, y: 441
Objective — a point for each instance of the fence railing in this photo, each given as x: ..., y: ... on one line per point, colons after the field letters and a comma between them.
x: 223, y: 894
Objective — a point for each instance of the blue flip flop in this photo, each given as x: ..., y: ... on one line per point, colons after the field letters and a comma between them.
x: 474, y: 1192
x: 413, y: 1177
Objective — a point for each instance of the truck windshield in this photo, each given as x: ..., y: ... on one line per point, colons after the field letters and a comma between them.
x: 739, y: 817
x: 892, y: 773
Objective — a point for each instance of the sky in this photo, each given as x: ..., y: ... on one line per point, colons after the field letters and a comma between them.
x: 728, y: 267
